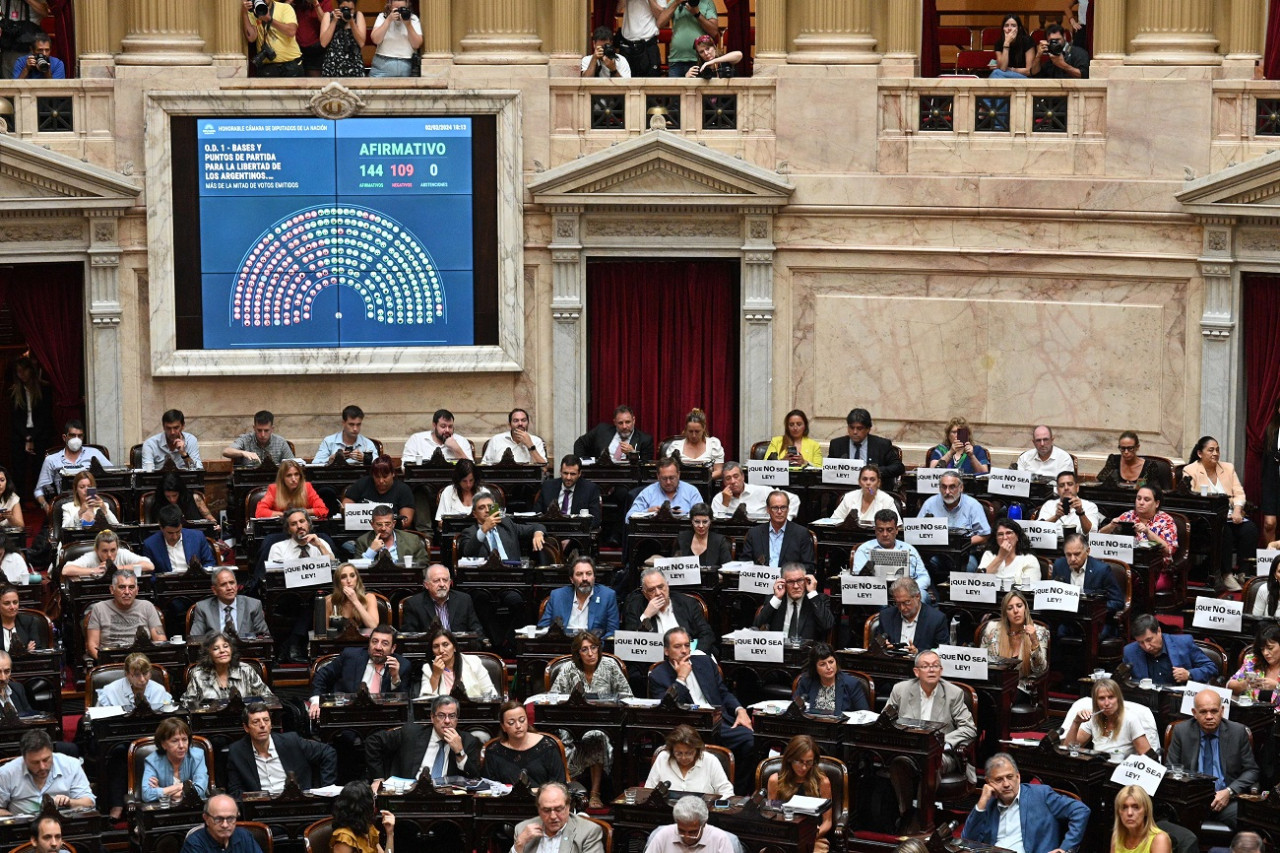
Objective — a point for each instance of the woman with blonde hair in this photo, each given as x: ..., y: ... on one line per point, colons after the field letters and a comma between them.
x: 1107, y: 726
x: 697, y: 444
x: 290, y: 491
x: 1135, y: 829
x: 82, y: 509
x: 1015, y: 636
x: 800, y: 775
x: 349, y: 600
x: 958, y: 451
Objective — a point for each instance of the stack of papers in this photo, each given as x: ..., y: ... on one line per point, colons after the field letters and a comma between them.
x: 809, y: 805
x: 327, y: 791
x: 861, y: 718
x: 637, y: 702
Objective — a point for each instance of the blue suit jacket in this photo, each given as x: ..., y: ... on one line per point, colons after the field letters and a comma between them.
x: 708, y: 675
x: 932, y: 631
x: 602, y: 613
x: 193, y: 543
x: 1097, y: 580
x: 345, y: 674
x: 1183, y: 652
x: 1041, y: 809
x: 849, y: 693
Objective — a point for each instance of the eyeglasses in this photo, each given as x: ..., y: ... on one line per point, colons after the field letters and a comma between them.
x: 928, y: 666
x: 1123, y: 447
x: 224, y: 819
x: 443, y: 716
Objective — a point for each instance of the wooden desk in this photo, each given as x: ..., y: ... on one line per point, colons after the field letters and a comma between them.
x: 288, y: 813
x: 82, y: 826
x: 1261, y: 814
x: 40, y: 665
x: 578, y: 716
x: 360, y: 713
x: 442, y: 819
x: 1084, y: 775
x: 1207, y: 516
x: 532, y: 656
x: 877, y: 744
x: 1089, y: 620
x: 471, y: 715
x: 646, y: 729
x: 13, y: 727
x: 774, y: 731
x: 749, y: 680
x: 122, y: 730
x: 1185, y: 800
x: 519, y: 483
x: 836, y: 544
x: 755, y: 828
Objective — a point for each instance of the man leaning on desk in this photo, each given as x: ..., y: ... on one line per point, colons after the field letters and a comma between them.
x: 1166, y: 658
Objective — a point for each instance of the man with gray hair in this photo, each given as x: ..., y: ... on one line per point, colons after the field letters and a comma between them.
x: 115, y: 622
x: 555, y: 829
x: 690, y: 831
x: 11, y: 692
x: 908, y: 621
x: 226, y: 608
x: 656, y: 609
x: 1012, y: 815
x: 738, y: 492
x: 1243, y: 842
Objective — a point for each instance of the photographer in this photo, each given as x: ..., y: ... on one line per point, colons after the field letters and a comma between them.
x: 310, y: 13
x: 604, y: 60
x: 713, y: 66
x: 272, y: 28
x: 688, y: 19
x: 342, y: 34
x: 398, y: 34
x: 40, y: 64
x: 1057, y: 60
x: 19, y: 25
x: 638, y: 37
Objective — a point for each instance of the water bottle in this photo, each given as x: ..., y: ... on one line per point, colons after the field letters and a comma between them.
x: 1015, y: 512
x: 955, y: 626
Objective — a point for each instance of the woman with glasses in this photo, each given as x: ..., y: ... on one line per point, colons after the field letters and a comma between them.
x: 1127, y: 468
x: 601, y: 675
x: 711, y: 549
x: 684, y: 762
x: 800, y: 775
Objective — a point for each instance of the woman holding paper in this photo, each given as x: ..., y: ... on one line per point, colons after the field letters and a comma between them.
x: 699, y: 541
x: 1107, y: 726
x: 1261, y: 669
x: 600, y: 674
x: 1135, y: 829
x: 800, y: 775
x: 795, y: 445
x: 823, y: 689
x: 447, y: 664
x: 349, y: 599
x: 1016, y: 636
x: 867, y: 500
x: 685, y: 764
x: 1009, y: 556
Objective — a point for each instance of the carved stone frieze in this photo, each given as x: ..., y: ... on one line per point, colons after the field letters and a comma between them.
x: 725, y: 227
x: 335, y: 101
x: 42, y: 232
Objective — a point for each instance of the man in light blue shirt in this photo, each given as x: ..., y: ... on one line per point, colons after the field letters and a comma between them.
x: 41, y: 771
x: 680, y: 495
x: 886, y: 521
x: 963, y: 514
x: 137, y: 679
x: 72, y: 459
x: 172, y: 443
x: 348, y: 443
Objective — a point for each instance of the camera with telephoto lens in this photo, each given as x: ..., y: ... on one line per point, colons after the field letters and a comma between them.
x: 1055, y: 48
x: 262, y: 57
x: 260, y: 8
x: 347, y: 13
x: 42, y: 64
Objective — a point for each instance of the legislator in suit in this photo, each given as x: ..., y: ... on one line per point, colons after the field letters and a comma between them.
x: 583, y: 603
x: 702, y: 684
x: 210, y: 614
x: 848, y: 695
x: 796, y: 544
x: 1097, y: 579
x: 798, y: 612
x: 313, y: 764
x: 506, y: 536
x: 13, y: 692
x: 607, y: 439
x: 1040, y: 815
x: 717, y: 553
x: 571, y: 833
x: 1216, y: 747
x: 350, y: 669
x: 420, y: 613
x: 1155, y: 654
x: 406, y: 545
x: 402, y: 752
x: 875, y: 449
x: 931, y: 626
x: 582, y: 494
x: 194, y: 544
x: 670, y: 610
x: 27, y: 628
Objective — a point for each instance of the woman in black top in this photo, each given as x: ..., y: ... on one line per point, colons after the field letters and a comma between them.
x: 522, y: 749
x: 711, y: 549
x: 1016, y: 53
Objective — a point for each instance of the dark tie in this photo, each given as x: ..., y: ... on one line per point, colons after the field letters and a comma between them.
x: 303, y: 550
x: 229, y: 626
x: 794, y: 632
x: 857, y: 450
x: 1209, y: 764
x: 565, y: 496
x: 442, y: 752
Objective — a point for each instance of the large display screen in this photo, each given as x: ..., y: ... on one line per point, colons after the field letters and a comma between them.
x: 318, y: 233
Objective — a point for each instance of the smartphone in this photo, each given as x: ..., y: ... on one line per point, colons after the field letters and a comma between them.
x: 93, y: 491
x: 962, y: 435
x: 791, y: 450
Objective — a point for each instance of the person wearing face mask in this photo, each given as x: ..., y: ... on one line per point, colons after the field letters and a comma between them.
x: 73, y: 458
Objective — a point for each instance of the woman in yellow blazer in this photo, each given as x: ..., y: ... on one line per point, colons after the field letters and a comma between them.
x: 806, y: 450
x: 1209, y: 476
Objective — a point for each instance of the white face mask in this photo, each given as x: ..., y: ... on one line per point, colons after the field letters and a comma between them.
x: 74, y: 444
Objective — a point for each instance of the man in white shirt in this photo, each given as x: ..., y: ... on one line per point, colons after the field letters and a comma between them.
x: 1044, y: 459
x: 1069, y: 510
x: 526, y: 448
x: 301, y: 542
x: 690, y: 831
x: 225, y: 606
x: 604, y: 60
x: 261, y: 761
x: 638, y: 38
x: 173, y: 444
x: 738, y: 492
x: 555, y: 829
x: 39, y: 772
x: 421, y: 446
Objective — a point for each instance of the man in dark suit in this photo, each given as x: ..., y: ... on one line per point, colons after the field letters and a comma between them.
x: 377, y: 666
x: 211, y: 614
x: 1216, y: 747
x: 909, y: 620
x: 161, y: 547
x: 697, y: 680
x: 583, y: 604
x: 779, y: 541
x: 494, y: 529
x: 797, y: 608
x: 411, y: 748
x: 861, y: 444
x: 615, y: 440
x: 655, y: 608
x: 1094, y: 577
x: 313, y: 764
x: 439, y: 603
x: 384, y: 535
x: 11, y: 692
x: 570, y: 494
x: 1166, y: 658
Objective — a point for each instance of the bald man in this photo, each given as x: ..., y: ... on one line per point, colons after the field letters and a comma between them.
x: 1217, y: 747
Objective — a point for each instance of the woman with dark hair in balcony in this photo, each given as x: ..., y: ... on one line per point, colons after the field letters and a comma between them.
x: 1015, y: 52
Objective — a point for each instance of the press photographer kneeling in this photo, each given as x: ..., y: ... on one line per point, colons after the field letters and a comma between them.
x: 40, y: 64
x: 272, y: 28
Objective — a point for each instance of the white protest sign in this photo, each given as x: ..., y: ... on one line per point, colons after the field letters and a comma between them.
x: 1006, y: 481
x: 1266, y: 559
x: 964, y: 586
x: 841, y: 471
x: 768, y: 472
x: 1194, y: 687
x: 308, y: 571
x: 640, y: 646
x: 762, y: 646
x: 1110, y: 546
x: 925, y: 531
x: 855, y: 589
x: 1220, y: 613
x: 358, y: 516
x: 963, y: 662
x: 680, y: 571
x: 1051, y: 595
x: 758, y: 579
x: 1139, y: 770
x: 927, y: 480
x: 1043, y: 534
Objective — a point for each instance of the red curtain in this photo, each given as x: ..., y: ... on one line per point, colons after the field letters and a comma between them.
x: 929, y: 66
x: 47, y: 301
x: 1261, y: 305
x: 663, y: 338
x: 603, y: 14
x: 62, y: 18
x: 1271, y: 53
x: 740, y: 35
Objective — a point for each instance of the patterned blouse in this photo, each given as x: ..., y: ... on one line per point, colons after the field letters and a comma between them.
x: 204, y: 687
x: 1039, y: 660
x: 1162, y: 525
x: 609, y: 679
x: 1251, y: 668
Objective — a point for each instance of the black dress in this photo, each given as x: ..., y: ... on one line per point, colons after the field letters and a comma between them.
x: 1153, y: 472
x: 541, y: 762
x: 717, y: 554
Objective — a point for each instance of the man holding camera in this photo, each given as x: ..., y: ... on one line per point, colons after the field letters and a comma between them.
x: 604, y: 60
x: 1058, y: 60
x: 271, y: 26
x: 688, y: 19
x: 40, y: 64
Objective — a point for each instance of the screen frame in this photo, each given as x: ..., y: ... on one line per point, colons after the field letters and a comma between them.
x: 506, y: 355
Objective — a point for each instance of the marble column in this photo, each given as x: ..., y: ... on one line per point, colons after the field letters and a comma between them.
x: 568, y: 327
x: 771, y: 32
x: 1174, y: 32
x: 756, y: 356
x: 834, y: 32
x: 1219, y: 328
x: 93, y: 30
x: 226, y: 35
x: 105, y: 314
x: 902, y: 41
x: 437, y: 28
x: 1110, y: 39
x: 162, y: 32
x: 1245, y: 36
x: 501, y: 32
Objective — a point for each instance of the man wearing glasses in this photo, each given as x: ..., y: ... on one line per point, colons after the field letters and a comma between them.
x: 797, y: 609
x: 779, y: 541
x: 441, y: 749
x: 220, y: 833
x: 555, y: 830
x: 928, y: 697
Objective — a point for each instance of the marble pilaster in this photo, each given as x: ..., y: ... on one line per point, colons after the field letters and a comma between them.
x: 226, y: 32
x: 1174, y: 32
x: 568, y: 327
x: 756, y: 356
x: 437, y: 28
x: 902, y: 41
x: 105, y: 315
x: 1110, y: 41
x: 93, y: 31
x: 1245, y: 31
x: 771, y: 32
x: 162, y: 32
x: 1219, y: 327
x: 834, y: 32
x: 501, y: 34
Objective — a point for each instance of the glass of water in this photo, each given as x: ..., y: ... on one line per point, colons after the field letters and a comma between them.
x: 788, y: 811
